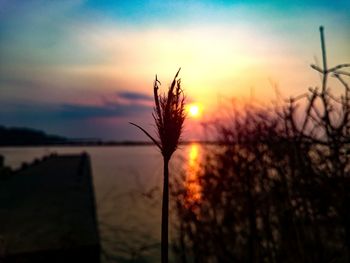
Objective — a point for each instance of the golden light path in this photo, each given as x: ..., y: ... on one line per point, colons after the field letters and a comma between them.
x: 192, y: 185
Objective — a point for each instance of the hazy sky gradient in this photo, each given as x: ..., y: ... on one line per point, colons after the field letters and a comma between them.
x: 86, y: 68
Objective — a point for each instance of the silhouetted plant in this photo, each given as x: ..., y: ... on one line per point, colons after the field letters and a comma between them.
x: 276, y: 190
x: 169, y: 116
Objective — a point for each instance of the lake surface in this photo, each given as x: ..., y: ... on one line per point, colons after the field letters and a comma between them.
x: 128, y: 184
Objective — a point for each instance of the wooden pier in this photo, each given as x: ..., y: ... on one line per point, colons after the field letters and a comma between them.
x: 48, y: 213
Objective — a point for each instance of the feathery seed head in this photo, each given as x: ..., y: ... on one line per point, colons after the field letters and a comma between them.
x: 169, y: 115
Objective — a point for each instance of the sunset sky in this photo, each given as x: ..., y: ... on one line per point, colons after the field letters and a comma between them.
x: 84, y: 69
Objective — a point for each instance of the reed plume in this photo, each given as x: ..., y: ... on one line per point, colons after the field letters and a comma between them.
x: 169, y: 116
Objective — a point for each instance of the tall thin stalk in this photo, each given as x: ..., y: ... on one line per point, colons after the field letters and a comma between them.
x: 169, y: 116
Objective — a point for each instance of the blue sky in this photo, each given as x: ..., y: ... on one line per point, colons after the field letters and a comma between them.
x: 85, y: 68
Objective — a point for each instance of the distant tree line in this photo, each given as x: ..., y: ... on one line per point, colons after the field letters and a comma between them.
x: 26, y: 136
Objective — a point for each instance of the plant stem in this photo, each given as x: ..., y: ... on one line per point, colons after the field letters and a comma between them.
x: 165, y: 213
x: 324, y: 59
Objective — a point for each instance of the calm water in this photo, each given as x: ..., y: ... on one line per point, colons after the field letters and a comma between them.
x: 127, y: 182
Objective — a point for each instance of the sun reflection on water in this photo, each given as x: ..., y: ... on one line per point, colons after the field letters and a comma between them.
x: 192, y: 184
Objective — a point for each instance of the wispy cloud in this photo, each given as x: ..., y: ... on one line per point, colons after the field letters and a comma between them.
x: 71, y: 111
x: 134, y: 96
x: 107, y: 120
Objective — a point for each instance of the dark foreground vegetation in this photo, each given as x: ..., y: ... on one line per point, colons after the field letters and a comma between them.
x: 278, y: 190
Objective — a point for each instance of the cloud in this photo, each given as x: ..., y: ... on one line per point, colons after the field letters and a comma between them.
x: 59, y: 113
x: 106, y: 120
x: 134, y: 96
x: 71, y: 111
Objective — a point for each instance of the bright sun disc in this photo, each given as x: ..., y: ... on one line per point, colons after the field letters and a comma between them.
x: 194, y: 110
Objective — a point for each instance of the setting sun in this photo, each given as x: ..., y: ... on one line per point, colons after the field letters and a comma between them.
x: 194, y: 110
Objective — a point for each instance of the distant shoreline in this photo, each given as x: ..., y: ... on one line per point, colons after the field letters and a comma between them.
x: 101, y: 144
x: 26, y: 137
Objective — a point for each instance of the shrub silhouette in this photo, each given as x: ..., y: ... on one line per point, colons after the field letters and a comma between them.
x: 169, y: 116
x: 277, y: 188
